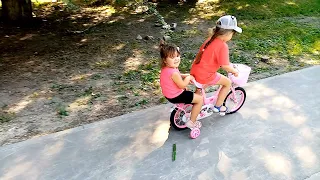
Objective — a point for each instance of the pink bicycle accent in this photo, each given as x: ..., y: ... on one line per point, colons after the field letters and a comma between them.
x: 195, y: 133
x: 238, y: 102
x: 184, y: 110
x: 234, y: 101
x: 243, y: 76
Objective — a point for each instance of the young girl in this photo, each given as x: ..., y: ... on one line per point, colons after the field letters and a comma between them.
x: 213, y: 54
x: 173, y: 84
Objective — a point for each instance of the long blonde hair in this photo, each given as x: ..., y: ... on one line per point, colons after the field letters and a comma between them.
x: 217, y: 32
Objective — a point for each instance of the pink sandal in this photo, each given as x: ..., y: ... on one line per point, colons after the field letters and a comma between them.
x: 192, y: 125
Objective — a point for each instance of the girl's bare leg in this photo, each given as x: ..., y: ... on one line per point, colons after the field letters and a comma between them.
x: 226, y: 84
x: 197, y: 104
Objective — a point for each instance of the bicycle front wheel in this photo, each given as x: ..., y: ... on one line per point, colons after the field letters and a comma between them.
x: 235, y: 101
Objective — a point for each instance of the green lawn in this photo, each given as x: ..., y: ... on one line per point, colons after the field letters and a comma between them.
x: 287, y: 31
x: 279, y: 29
x: 279, y: 37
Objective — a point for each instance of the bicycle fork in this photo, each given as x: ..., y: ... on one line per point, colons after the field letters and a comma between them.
x: 233, y: 96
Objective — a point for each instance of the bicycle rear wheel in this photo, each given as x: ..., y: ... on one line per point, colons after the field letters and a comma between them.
x: 178, y: 117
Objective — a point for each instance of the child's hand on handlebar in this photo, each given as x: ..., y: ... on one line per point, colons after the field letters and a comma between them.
x: 231, y: 69
x: 235, y: 73
x: 191, y: 78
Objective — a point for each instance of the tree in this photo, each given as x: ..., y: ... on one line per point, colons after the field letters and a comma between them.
x: 16, y: 10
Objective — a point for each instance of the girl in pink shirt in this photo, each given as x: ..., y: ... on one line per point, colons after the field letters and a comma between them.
x: 173, y: 84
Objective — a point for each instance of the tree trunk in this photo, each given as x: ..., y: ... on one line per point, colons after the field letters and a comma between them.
x: 16, y: 10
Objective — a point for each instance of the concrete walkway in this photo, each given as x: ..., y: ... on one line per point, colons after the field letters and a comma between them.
x: 275, y: 136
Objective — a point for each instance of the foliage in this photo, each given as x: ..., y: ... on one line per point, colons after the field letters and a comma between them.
x: 62, y: 110
x: 280, y: 38
x: 152, y: 9
x: 6, y: 117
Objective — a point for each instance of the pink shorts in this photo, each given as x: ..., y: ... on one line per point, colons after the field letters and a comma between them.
x: 215, y: 80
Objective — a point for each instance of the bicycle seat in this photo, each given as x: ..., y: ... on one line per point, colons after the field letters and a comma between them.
x: 198, y: 85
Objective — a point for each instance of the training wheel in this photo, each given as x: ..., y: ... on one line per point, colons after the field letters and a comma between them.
x: 195, y: 133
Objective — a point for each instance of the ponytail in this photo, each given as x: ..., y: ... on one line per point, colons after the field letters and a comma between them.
x: 199, y: 55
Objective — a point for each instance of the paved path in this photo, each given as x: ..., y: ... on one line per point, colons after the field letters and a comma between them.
x: 276, y: 135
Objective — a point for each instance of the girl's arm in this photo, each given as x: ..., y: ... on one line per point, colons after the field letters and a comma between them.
x: 184, y: 75
x: 181, y: 83
x: 224, y: 59
x: 230, y: 69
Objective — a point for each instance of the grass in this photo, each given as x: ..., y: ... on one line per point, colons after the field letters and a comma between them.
x: 59, y: 87
x: 270, y: 28
x: 6, y: 117
x: 163, y: 100
x: 282, y: 30
x: 87, y: 91
x: 96, y: 76
x: 103, y: 64
x: 280, y: 38
x: 273, y: 31
x: 141, y: 102
x: 62, y: 110
x: 147, y: 73
x: 253, y: 10
x: 178, y: 37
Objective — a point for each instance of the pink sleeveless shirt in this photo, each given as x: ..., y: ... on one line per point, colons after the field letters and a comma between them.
x: 168, y: 86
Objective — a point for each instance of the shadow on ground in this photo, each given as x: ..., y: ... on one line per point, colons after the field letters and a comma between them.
x: 274, y: 135
x: 77, y: 67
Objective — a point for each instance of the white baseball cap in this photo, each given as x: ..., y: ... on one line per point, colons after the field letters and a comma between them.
x: 228, y: 22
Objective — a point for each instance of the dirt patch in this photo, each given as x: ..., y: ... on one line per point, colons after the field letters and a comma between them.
x: 54, y: 78
x: 74, y: 68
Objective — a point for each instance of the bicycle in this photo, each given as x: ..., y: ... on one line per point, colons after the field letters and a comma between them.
x: 181, y: 112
